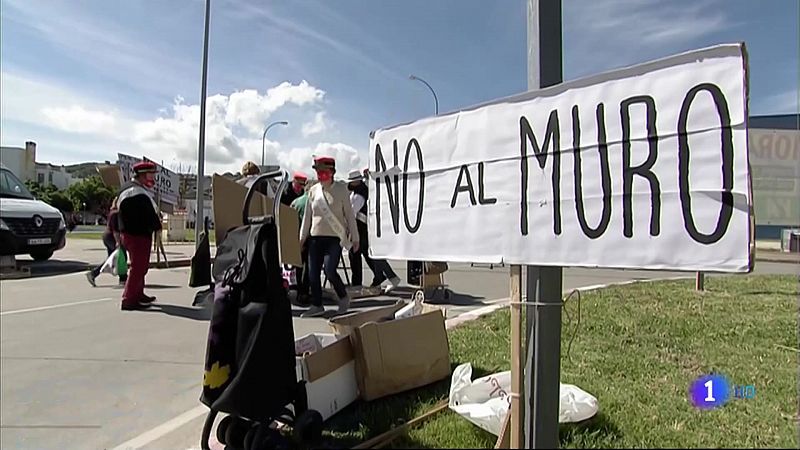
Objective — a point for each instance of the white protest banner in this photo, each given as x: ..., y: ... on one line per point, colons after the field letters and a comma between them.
x: 643, y: 167
x: 126, y: 163
x: 167, y: 181
x: 167, y: 184
x: 775, y: 162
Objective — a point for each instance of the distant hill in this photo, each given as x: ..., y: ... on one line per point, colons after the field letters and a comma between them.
x: 83, y: 170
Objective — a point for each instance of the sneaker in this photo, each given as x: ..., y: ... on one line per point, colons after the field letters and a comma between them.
x: 393, y: 284
x: 314, y: 311
x: 344, y: 304
x: 91, y: 279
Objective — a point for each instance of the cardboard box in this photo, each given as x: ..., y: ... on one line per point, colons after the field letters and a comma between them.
x: 326, y: 364
x: 394, y: 356
x: 228, y: 201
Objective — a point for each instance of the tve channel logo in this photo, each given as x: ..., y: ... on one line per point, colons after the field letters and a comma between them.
x: 713, y: 391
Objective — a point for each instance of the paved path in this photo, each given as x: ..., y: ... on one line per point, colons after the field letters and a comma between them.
x: 77, y: 372
x: 81, y: 253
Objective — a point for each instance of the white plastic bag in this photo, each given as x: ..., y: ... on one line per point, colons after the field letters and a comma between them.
x: 485, y: 401
x: 110, y: 266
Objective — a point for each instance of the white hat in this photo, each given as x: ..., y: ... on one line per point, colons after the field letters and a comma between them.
x: 355, y: 175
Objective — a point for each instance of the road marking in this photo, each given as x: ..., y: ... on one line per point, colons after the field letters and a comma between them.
x: 163, y: 429
x: 45, y: 308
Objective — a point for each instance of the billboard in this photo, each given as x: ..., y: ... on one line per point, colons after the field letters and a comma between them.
x: 775, y: 168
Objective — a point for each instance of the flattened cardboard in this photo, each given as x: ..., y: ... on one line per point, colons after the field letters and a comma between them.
x: 111, y: 176
x: 328, y: 359
x: 228, y: 202
x: 344, y: 325
x: 394, y: 356
x: 329, y: 373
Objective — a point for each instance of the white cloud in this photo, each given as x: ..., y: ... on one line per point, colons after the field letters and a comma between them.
x: 316, y: 126
x: 347, y: 157
x: 70, y: 124
x: 234, y: 125
x: 251, y: 110
x: 77, y: 119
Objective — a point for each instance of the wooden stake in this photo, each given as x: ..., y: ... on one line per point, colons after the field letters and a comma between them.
x: 516, y: 359
x: 700, y: 281
x: 384, y: 438
x: 505, y: 433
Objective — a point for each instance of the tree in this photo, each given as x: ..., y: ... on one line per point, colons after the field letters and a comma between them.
x: 92, y: 192
x: 61, y: 201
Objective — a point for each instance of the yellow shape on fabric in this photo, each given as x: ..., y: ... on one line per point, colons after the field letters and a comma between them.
x: 217, y: 376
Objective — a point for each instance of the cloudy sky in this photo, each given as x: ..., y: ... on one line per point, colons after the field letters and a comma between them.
x: 87, y: 79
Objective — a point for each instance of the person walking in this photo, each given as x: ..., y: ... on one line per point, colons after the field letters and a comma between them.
x: 138, y: 220
x: 381, y: 270
x: 328, y: 226
x: 303, y: 283
x: 295, y: 189
x: 112, y: 241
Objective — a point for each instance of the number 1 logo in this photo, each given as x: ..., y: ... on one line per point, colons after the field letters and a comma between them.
x: 709, y: 391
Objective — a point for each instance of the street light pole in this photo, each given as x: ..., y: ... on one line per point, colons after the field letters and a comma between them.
x: 264, y: 137
x: 199, y: 217
x: 435, y: 98
x: 417, y: 266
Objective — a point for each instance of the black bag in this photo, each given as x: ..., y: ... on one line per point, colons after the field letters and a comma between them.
x: 250, y: 361
x: 200, y: 273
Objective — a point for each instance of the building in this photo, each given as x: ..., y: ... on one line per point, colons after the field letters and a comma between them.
x: 22, y: 162
x: 774, y: 146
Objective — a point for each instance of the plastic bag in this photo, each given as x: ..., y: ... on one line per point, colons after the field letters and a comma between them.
x: 116, y: 263
x: 485, y: 401
x: 110, y: 265
x: 121, y: 267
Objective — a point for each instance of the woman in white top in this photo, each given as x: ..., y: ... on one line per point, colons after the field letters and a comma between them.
x: 328, y: 225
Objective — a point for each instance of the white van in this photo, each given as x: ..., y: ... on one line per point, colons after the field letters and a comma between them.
x: 27, y: 225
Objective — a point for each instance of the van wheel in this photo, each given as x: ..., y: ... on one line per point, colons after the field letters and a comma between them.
x: 43, y: 255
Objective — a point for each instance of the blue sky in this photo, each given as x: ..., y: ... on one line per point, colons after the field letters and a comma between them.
x: 86, y: 79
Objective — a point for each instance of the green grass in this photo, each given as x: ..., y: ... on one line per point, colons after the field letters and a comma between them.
x: 637, y: 350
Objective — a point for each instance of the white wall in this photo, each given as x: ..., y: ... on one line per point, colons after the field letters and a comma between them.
x: 14, y: 159
x: 60, y: 178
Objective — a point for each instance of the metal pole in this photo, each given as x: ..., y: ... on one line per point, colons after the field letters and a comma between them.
x: 412, y: 265
x: 201, y: 148
x: 544, y: 284
x: 264, y: 137
x: 435, y: 98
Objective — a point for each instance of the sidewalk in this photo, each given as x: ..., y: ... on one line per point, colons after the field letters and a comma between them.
x: 770, y: 251
x: 81, y: 254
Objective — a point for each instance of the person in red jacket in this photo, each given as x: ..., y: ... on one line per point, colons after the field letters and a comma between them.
x: 138, y: 220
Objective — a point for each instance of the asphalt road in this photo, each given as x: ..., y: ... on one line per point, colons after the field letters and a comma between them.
x: 76, y: 372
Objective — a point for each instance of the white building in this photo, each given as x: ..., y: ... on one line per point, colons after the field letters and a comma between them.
x: 22, y: 162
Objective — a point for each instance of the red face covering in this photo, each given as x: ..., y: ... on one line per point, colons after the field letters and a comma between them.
x: 324, y: 175
x: 149, y: 181
x: 298, y: 188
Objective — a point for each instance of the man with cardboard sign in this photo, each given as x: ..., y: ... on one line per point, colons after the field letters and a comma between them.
x: 644, y: 167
